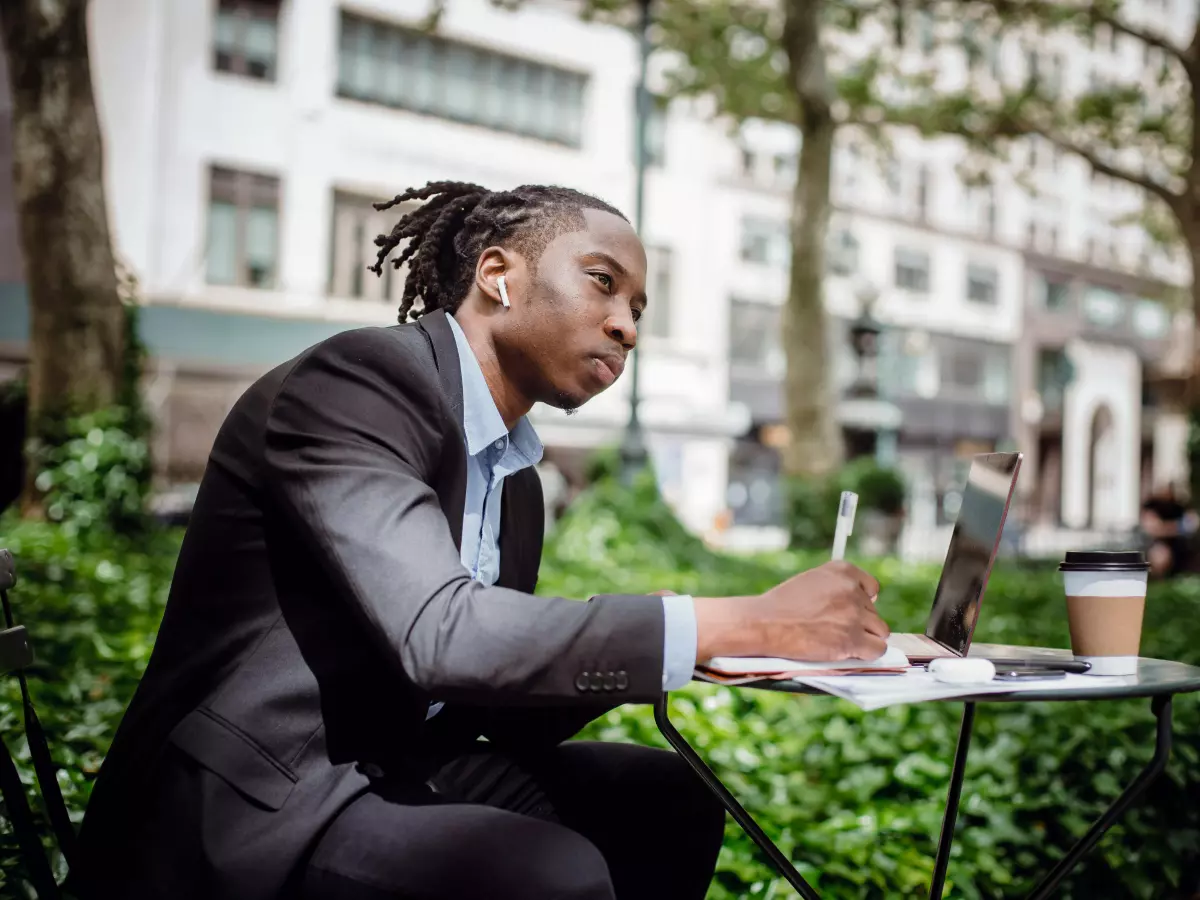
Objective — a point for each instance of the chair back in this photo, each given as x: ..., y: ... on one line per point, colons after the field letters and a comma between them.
x: 15, y: 655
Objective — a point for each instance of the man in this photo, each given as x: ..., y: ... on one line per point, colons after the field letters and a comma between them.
x: 352, y: 610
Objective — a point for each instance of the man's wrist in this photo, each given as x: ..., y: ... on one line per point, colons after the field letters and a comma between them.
x: 722, y: 627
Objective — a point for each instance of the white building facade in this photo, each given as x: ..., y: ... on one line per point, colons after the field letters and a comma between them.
x: 245, y: 142
x: 246, y: 139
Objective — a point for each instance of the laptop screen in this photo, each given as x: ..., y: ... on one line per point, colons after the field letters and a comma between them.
x: 973, y: 545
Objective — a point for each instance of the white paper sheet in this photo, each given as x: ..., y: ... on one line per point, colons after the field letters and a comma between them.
x: 745, y: 665
x: 916, y: 686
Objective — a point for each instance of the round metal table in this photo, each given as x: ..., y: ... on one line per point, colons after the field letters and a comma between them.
x: 1157, y: 679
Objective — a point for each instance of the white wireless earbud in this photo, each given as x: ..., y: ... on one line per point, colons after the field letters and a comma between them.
x: 503, y: 292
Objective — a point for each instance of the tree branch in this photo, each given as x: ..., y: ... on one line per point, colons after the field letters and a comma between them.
x: 1045, y: 11
x: 1173, y: 200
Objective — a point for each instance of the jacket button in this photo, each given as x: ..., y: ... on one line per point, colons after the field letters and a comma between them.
x: 581, y: 681
x: 597, y: 681
x: 610, y: 681
x: 622, y: 680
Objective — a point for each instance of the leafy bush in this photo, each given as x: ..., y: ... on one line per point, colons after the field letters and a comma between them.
x: 95, y: 472
x: 92, y: 610
x: 856, y: 797
x: 812, y: 503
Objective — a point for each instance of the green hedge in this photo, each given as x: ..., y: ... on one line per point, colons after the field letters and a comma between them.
x: 857, y: 797
x: 92, y: 608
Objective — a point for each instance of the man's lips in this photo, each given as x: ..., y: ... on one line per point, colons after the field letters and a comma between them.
x: 608, y: 368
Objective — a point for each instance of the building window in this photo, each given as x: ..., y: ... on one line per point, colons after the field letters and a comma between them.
x: 912, y: 270
x: 994, y: 51
x: 405, y: 69
x: 1054, y: 294
x: 843, y: 253
x: 1150, y: 319
x: 355, y: 226
x: 656, y: 131
x: 246, y: 37
x: 1103, y: 307
x: 925, y: 35
x: 981, y: 284
x: 1054, y: 373
x: 922, y: 192
x: 748, y: 164
x: 243, y: 229
x: 765, y: 241
x: 755, y: 341
x: 656, y: 320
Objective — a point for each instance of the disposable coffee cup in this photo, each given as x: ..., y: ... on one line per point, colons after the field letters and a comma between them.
x: 1106, y: 599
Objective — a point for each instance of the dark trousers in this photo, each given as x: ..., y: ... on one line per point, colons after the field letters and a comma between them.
x: 583, y: 821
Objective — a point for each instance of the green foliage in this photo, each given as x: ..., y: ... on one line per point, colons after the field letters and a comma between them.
x: 94, y: 471
x: 92, y: 609
x: 93, y: 467
x: 813, y: 503
x: 856, y: 798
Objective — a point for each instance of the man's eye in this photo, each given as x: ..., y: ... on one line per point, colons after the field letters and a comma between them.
x: 604, y: 278
x: 637, y: 314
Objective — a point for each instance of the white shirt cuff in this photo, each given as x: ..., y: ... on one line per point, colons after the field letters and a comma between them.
x: 679, y: 641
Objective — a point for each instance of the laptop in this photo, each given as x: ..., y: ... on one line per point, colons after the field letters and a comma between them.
x: 974, y: 543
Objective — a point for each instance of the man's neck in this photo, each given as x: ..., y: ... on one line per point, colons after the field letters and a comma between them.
x: 511, y: 404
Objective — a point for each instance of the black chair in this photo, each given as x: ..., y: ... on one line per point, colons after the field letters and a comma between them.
x: 15, y: 655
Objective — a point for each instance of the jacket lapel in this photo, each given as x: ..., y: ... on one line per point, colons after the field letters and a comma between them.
x: 521, y: 523
x: 521, y: 512
x: 452, y: 487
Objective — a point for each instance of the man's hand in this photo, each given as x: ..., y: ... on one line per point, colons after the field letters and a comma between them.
x: 826, y: 613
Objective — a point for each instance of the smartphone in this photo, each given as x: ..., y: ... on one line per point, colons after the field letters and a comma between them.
x: 1028, y: 672
x: 1076, y: 666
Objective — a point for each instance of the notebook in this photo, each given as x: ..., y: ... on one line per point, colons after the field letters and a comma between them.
x: 745, y: 669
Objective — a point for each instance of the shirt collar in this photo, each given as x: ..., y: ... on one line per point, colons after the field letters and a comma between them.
x: 482, y: 422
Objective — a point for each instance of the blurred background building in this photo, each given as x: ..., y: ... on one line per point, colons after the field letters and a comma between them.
x: 246, y: 139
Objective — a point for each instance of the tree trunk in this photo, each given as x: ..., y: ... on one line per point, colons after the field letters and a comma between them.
x: 815, y: 446
x: 77, y: 319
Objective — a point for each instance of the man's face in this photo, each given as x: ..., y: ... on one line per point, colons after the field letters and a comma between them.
x: 569, y: 338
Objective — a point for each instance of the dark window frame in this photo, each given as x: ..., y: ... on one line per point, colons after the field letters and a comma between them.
x: 553, y: 89
x: 245, y: 191
x: 903, y: 262
x: 979, y: 274
x: 235, y: 61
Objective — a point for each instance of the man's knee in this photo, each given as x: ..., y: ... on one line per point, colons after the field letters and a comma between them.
x: 690, y: 793
x: 566, y: 866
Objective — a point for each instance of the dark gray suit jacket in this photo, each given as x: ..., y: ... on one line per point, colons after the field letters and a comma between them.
x: 319, y: 605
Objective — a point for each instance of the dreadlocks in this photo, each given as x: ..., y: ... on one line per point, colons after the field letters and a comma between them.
x: 458, y: 221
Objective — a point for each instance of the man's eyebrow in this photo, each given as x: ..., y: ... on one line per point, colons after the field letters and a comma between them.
x: 601, y: 255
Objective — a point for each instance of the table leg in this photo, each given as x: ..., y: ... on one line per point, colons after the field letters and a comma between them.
x: 1162, y: 752
x: 946, y: 839
x: 780, y: 861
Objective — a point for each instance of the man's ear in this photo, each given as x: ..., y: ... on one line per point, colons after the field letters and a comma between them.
x: 495, y: 263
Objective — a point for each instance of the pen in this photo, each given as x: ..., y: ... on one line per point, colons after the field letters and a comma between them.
x: 847, y: 506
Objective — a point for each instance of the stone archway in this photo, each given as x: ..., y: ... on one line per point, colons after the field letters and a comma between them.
x: 1102, y: 500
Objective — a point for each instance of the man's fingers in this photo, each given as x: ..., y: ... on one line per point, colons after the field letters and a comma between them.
x: 876, y: 626
x: 863, y: 580
x: 867, y: 582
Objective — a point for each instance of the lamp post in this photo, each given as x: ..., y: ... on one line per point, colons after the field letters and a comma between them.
x: 633, y: 446
x: 865, y: 406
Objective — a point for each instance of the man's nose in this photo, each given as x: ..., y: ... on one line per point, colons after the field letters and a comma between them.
x: 623, y: 330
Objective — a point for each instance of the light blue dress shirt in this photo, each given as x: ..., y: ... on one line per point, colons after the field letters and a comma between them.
x: 493, y: 453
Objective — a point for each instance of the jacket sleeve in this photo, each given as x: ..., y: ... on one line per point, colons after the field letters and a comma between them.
x: 354, y: 440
